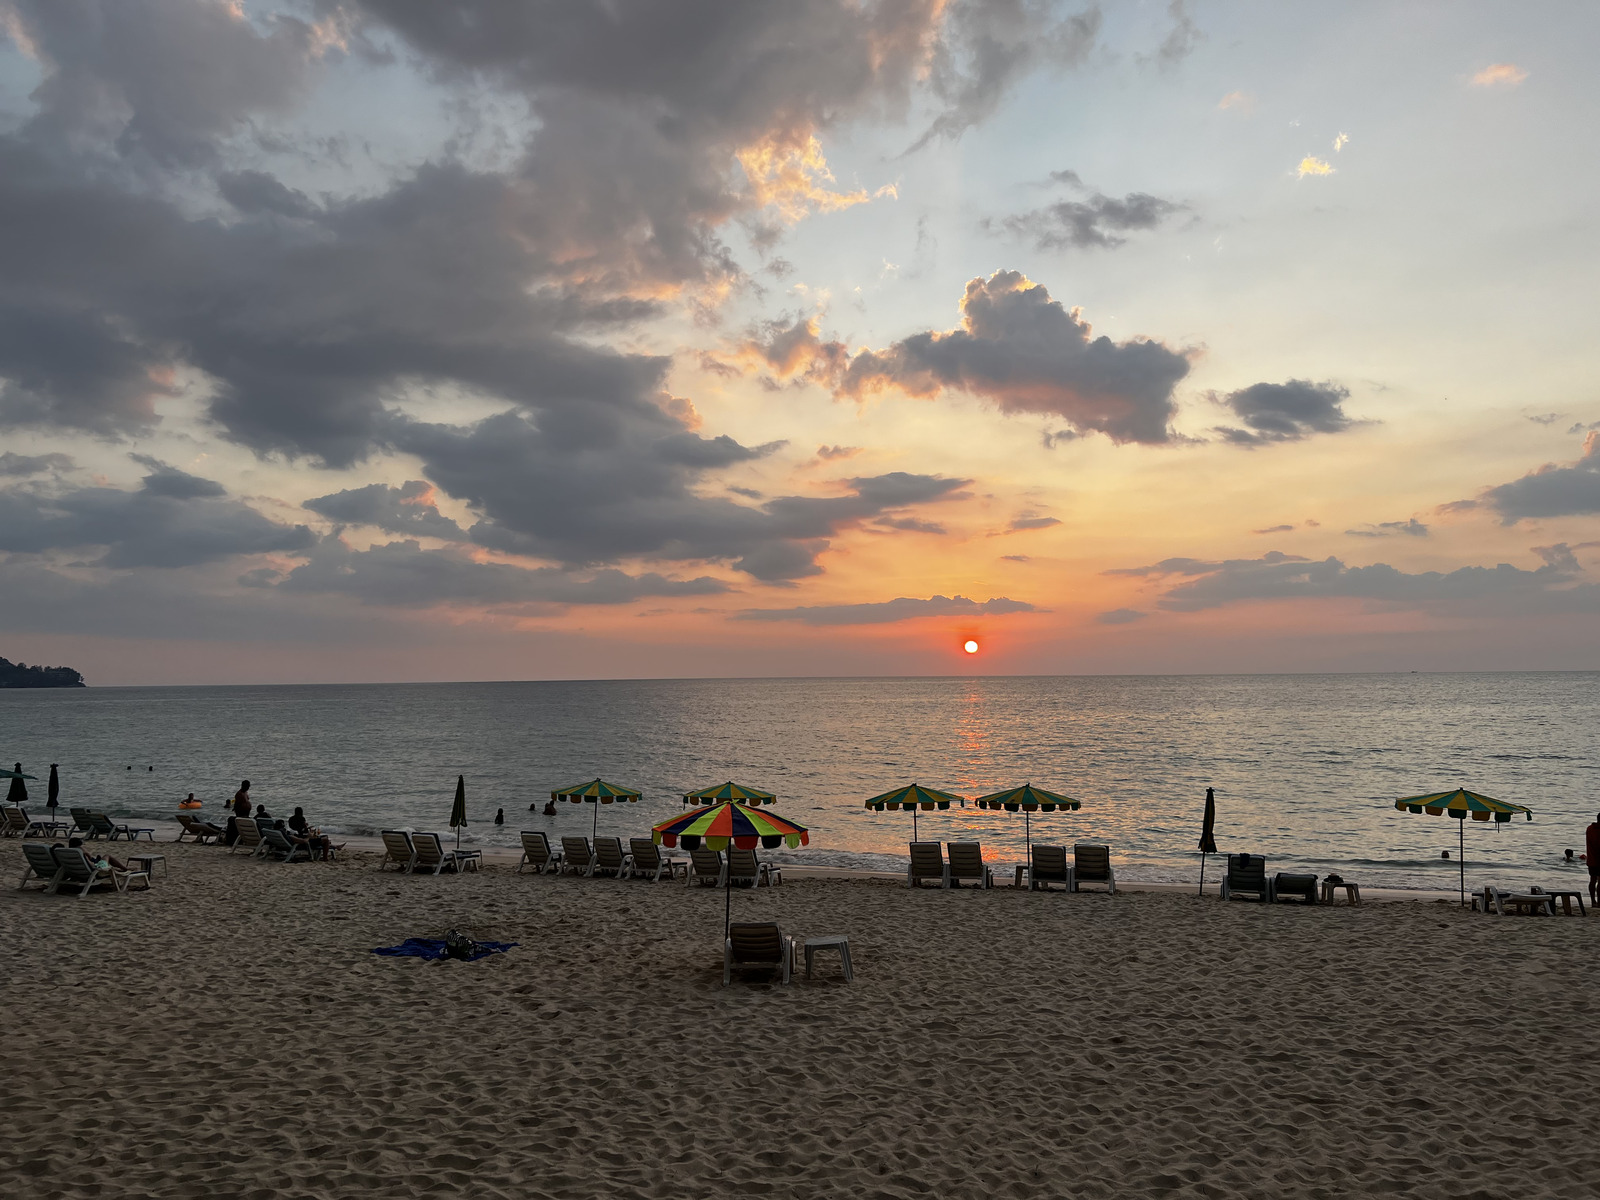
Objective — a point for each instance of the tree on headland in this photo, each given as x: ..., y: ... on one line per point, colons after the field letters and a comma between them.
x: 21, y: 675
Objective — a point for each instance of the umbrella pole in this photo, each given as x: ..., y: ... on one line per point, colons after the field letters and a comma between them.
x: 913, y: 821
x: 595, y: 829
x: 1203, y: 858
x: 1027, y: 836
x: 1461, y: 855
x: 727, y: 898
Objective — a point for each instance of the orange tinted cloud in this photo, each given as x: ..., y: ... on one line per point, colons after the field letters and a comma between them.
x: 1311, y: 165
x: 1499, y: 75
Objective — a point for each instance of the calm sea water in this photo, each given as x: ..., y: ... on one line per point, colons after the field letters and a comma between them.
x: 1306, y: 767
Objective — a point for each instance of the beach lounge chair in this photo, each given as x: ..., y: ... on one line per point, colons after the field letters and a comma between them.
x: 106, y: 827
x: 19, y: 824
x: 744, y: 868
x: 576, y: 856
x: 761, y: 946
x: 78, y: 871
x: 1092, y: 864
x: 41, y: 866
x: 249, y: 836
x: 1247, y: 873
x: 705, y: 868
x: 201, y: 831
x: 966, y: 862
x: 276, y: 844
x: 536, y: 852
x: 1049, y: 866
x: 432, y: 857
x: 82, y: 823
x: 646, y: 859
x: 12, y: 822
x: 1285, y: 883
x: 927, y: 862
x: 396, y: 849
x: 609, y: 858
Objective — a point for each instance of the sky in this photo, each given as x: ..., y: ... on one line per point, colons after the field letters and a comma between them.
x: 381, y: 340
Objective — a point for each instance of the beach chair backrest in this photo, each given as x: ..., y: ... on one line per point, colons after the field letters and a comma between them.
x: 536, y: 846
x: 1050, y: 862
x: 927, y: 860
x: 82, y: 822
x: 575, y: 851
x: 706, y: 862
x: 100, y: 823
x: 608, y: 853
x: 40, y: 859
x: 646, y: 854
x: 74, y: 864
x: 277, y: 840
x: 429, y: 850
x: 966, y: 860
x: 1247, y: 871
x: 743, y: 864
x: 1091, y: 862
x: 187, y: 822
x: 756, y: 943
x: 396, y: 845
x: 16, y: 819
x: 249, y: 832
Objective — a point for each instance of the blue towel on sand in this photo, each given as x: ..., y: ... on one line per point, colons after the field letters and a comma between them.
x: 433, y: 948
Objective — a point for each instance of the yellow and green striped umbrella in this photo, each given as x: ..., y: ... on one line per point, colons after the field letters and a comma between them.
x: 913, y: 797
x: 1028, y: 800
x: 728, y: 791
x: 1462, y: 804
x: 596, y: 792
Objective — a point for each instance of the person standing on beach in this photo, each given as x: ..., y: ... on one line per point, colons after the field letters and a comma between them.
x: 241, y: 800
x: 1591, y: 838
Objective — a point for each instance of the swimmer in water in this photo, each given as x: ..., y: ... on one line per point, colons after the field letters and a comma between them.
x: 499, y: 816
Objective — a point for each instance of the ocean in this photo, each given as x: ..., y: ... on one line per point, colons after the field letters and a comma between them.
x: 1306, y: 767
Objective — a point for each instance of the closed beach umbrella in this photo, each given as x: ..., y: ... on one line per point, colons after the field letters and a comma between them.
x: 728, y: 791
x: 596, y: 792
x: 913, y: 797
x: 458, y: 810
x: 17, y: 793
x: 1028, y: 800
x: 52, y: 790
x: 730, y: 822
x: 1462, y: 804
x: 1208, y: 843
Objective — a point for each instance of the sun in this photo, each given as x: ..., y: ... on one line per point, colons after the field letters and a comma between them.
x: 971, y: 646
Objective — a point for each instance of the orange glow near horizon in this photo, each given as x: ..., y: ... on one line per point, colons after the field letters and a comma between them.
x: 971, y: 647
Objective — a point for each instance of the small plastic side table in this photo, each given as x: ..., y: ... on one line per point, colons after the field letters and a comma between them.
x: 830, y: 942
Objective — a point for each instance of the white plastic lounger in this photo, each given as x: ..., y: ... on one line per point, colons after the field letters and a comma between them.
x: 276, y: 844
x: 759, y: 946
x: 576, y: 856
x: 536, y: 852
x: 77, y: 871
x: 249, y: 836
x: 705, y: 868
x: 42, y: 866
x: 397, y: 850
x: 431, y: 856
x: 647, y: 859
x: 1092, y: 864
x: 927, y: 862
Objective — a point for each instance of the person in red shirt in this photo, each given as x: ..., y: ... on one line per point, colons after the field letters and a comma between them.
x: 1591, y: 839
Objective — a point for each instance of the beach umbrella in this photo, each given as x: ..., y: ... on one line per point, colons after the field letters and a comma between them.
x: 1029, y: 800
x: 1461, y: 804
x: 1208, y: 844
x: 728, y: 791
x: 596, y: 792
x: 913, y: 797
x: 458, y: 810
x: 53, y: 791
x: 17, y: 793
x: 725, y: 823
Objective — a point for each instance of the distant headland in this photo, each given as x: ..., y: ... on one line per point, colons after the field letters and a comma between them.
x: 21, y: 675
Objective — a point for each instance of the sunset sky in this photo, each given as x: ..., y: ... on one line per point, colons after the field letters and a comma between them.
x: 391, y: 340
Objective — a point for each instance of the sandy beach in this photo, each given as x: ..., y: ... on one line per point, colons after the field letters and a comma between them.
x: 230, y: 1034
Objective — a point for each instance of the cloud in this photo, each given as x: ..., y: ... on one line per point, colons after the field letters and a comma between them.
x: 173, y: 520
x: 1121, y: 616
x: 407, y: 509
x: 17, y: 465
x: 909, y: 525
x: 1017, y: 348
x: 1181, y: 39
x: 1410, y: 528
x: 830, y: 453
x: 1031, y: 521
x: 906, y: 608
x: 1311, y: 165
x: 1095, y: 222
x: 1283, y: 577
x: 1552, y: 490
x: 1340, y: 142
x: 1285, y: 412
x: 404, y: 575
x: 1546, y: 418
x: 1016, y: 558
x: 1275, y: 529
x: 1499, y: 75
x: 1243, y: 101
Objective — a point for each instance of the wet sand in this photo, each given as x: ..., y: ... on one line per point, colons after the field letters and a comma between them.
x: 230, y: 1034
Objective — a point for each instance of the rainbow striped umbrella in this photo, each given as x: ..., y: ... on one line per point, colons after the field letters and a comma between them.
x: 729, y: 822
x: 596, y: 792
x: 913, y: 797
x: 1028, y: 800
x: 728, y: 791
x: 1461, y: 804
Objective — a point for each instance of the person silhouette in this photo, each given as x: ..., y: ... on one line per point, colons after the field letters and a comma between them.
x: 499, y: 816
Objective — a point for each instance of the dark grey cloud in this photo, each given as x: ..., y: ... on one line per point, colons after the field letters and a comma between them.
x: 1286, y: 412
x: 404, y: 575
x: 1409, y: 528
x: 1096, y: 221
x: 909, y: 525
x: 1275, y: 529
x: 1121, y: 616
x: 171, y: 521
x: 15, y: 466
x: 167, y: 480
x: 1031, y: 521
x: 1181, y: 39
x: 1028, y: 354
x: 906, y: 608
x: 409, y: 508
x: 1278, y: 576
x: 1552, y: 490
